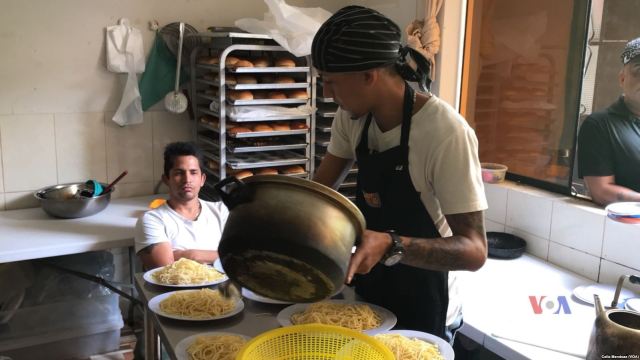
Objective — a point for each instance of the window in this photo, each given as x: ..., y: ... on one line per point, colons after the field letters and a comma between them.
x: 521, y: 85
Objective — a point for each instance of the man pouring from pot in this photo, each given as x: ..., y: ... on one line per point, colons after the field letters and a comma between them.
x: 419, y: 179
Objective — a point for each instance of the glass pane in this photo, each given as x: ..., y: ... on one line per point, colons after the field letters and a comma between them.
x: 522, y: 81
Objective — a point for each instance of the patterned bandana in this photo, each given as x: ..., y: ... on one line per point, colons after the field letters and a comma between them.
x: 357, y: 39
x: 631, y: 50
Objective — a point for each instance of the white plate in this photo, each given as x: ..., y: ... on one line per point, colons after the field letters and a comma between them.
x: 183, y: 345
x: 624, y: 208
x: 388, y: 318
x: 218, y: 266
x: 606, y: 292
x: 445, y: 349
x: 148, y: 277
x: 259, y: 298
x: 633, y: 304
x: 154, y: 305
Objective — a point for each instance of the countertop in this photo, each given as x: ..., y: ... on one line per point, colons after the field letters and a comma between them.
x: 497, y: 302
x: 31, y: 233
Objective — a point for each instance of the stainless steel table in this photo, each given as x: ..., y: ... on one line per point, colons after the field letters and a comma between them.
x: 255, y: 319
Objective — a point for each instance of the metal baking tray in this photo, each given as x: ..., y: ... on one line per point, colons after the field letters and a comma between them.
x: 324, y: 99
x: 322, y: 140
x: 270, y: 69
x: 264, y: 159
x: 347, y: 184
x: 212, y: 68
x: 267, y: 133
x: 208, y: 82
x: 269, y: 118
x: 323, y: 125
x: 268, y: 86
x: 327, y: 113
x: 267, y: 101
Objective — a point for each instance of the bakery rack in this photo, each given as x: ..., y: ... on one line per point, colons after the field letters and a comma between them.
x: 287, y: 145
x: 325, y: 112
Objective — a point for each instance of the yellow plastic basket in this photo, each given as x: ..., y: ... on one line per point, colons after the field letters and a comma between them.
x: 314, y: 342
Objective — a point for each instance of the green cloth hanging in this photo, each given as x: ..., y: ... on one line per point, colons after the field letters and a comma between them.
x: 159, y: 76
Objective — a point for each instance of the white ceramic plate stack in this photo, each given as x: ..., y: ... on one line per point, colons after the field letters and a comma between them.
x: 624, y: 212
x: 606, y: 293
x: 443, y: 347
x: 388, y: 318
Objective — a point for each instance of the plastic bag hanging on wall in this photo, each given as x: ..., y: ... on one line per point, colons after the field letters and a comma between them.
x: 122, y: 40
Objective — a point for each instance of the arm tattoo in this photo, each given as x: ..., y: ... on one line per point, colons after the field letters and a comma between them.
x: 451, y: 253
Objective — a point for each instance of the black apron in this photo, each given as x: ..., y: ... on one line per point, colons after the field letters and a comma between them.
x: 389, y: 201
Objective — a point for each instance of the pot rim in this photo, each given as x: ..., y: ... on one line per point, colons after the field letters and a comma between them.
x: 351, y: 208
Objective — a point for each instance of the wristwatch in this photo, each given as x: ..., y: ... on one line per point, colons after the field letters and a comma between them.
x: 395, y: 252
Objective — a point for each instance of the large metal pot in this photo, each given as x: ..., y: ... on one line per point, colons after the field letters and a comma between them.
x: 64, y: 201
x: 287, y: 238
x: 616, y: 332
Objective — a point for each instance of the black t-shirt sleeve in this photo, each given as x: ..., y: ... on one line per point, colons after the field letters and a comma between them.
x: 595, y: 156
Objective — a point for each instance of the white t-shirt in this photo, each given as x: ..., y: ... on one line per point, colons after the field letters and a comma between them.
x: 443, y: 164
x: 164, y: 224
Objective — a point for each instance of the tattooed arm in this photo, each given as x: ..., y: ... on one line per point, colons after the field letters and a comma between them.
x: 604, y: 190
x: 466, y: 249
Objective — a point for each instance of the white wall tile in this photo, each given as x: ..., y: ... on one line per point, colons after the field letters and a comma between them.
x: 578, y: 226
x: 577, y: 261
x: 622, y: 243
x: 20, y: 200
x: 493, y: 226
x: 81, y: 148
x: 1, y: 166
x: 530, y: 213
x: 610, y: 273
x: 536, y: 246
x: 497, y: 199
x: 129, y: 148
x: 133, y: 189
x: 167, y: 128
x: 28, y: 152
x: 2, y: 202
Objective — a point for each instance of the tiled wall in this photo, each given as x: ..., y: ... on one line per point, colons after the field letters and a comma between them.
x: 567, y: 232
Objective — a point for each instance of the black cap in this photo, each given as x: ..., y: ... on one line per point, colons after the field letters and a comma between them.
x: 631, y: 50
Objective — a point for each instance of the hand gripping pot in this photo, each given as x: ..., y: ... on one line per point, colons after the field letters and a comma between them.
x: 287, y: 238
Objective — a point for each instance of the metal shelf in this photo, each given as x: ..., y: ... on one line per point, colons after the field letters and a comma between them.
x: 272, y: 69
x: 267, y: 86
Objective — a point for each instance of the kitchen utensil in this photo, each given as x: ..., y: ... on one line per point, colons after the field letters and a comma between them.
x: 287, y: 238
x: 615, y: 331
x: 63, y: 201
x: 94, y: 188
x: 108, y: 188
x: 176, y: 102
x: 314, y: 341
x: 493, y: 173
x: 505, y: 246
x: 632, y: 279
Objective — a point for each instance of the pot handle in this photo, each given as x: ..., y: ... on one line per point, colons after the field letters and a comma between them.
x: 239, y: 193
x: 597, y: 304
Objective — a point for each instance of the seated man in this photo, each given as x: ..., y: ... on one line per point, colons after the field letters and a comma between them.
x: 609, y: 140
x: 184, y: 226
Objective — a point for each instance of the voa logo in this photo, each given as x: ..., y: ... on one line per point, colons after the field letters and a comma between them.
x: 549, y: 305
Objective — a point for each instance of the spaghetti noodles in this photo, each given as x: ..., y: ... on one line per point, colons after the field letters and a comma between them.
x: 352, y: 316
x: 404, y: 348
x: 186, y: 272
x: 215, y: 347
x: 197, y: 304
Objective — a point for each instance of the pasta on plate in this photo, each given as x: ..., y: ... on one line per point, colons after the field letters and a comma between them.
x: 353, y: 316
x: 215, y: 347
x: 197, y: 304
x: 404, y: 348
x: 186, y: 272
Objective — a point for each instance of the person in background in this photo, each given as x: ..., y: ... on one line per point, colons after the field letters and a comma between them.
x: 419, y: 181
x: 184, y: 226
x: 609, y: 140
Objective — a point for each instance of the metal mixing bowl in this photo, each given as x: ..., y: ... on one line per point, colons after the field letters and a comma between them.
x: 65, y: 201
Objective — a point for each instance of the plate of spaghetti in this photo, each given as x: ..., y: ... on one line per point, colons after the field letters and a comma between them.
x: 415, y: 345
x: 210, y: 346
x: 185, y: 273
x: 355, y: 315
x: 196, y: 305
